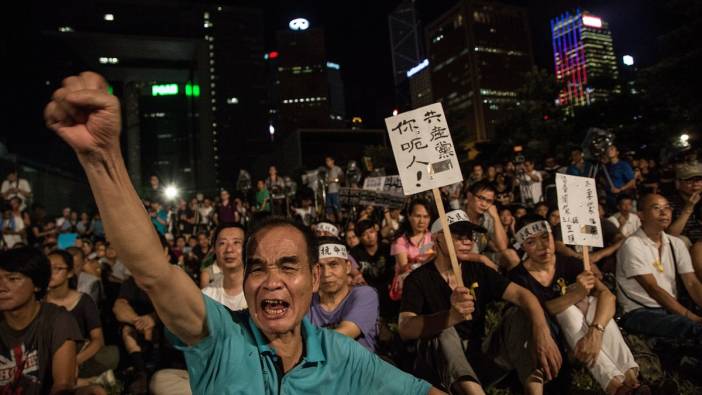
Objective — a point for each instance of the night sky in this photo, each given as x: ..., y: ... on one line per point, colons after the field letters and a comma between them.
x: 357, y: 38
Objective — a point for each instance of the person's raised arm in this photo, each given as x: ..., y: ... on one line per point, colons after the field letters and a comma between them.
x: 678, y: 225
x: 88, y: 118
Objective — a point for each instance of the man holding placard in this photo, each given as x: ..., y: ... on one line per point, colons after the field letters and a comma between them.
x: 426, y: 159
x: 449, y: 320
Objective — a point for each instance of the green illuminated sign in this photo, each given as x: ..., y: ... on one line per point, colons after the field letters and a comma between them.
x: 172, y: 90
x: 164, y: 90
x: 192, y: 90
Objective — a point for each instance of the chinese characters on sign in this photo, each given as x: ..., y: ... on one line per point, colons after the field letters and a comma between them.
x: 424, y: 151
x: 577, y: 203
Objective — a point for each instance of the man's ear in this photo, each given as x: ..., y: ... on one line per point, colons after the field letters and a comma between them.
x: 315, y: 277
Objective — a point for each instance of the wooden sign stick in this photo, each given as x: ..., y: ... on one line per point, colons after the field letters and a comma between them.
x: 586, y: 258
x: 447, y: 234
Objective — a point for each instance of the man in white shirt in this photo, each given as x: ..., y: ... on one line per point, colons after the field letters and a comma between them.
x: 648, y: 264
x: 13, y: 186
x: 530, y: 183
x: 624, y: 219
x: 228, y: 246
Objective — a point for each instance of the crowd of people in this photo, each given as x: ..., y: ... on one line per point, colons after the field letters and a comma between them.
x: 260, y: 293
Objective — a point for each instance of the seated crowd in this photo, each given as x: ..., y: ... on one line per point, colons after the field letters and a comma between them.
x: 387, y: 271
x: 234, y: 302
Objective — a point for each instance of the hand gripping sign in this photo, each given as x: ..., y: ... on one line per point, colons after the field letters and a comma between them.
x: 426, y: 159
x: 580, y: 218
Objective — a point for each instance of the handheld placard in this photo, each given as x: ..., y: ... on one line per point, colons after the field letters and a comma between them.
x: 447, y: 234
x: 580, y: 218
x: 426, y: 159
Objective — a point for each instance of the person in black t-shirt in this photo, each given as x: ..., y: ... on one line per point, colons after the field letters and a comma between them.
x: 449, y: 320
x: 37, y: 340
x: 93, y: 356
x: 581, y: 304
x: 377, y: 266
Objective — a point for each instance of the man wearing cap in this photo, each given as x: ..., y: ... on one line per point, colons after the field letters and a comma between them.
x: 449, y: 320
x: 376, y: 265
x: 687, y: 217
x: 351, y: 311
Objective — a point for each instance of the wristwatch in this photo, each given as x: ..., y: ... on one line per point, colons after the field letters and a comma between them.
x: 598, y: 327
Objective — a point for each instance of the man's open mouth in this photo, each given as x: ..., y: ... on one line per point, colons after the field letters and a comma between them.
x: 274, y: 308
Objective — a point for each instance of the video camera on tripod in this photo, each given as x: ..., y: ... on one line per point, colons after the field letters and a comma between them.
x: 594, y: 147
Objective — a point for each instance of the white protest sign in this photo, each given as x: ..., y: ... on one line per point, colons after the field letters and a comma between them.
x: 387, y: 184
x: 577, y: 204
x: 423, y: 148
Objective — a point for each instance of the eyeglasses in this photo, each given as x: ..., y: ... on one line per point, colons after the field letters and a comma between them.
x: 484, y: 199
x: 661, y: 209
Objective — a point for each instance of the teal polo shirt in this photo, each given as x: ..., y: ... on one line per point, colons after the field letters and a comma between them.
x: 235, y: 359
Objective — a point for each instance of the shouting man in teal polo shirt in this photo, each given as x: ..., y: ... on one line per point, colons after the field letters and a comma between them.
x: 269, y: 349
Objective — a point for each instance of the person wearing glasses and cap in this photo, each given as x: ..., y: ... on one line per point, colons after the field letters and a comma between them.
x: 581, y: 304
x: 351, y: 311
x: 449, y: 320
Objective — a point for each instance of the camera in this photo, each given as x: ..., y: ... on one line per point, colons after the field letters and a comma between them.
x: 596, y: 142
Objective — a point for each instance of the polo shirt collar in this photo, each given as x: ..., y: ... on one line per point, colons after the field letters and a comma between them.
x: 313, y: 346
x: 665, y: 239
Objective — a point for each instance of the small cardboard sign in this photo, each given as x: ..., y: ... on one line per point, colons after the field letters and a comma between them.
x: 423, y: 148
x: 387, y: 184
x: 577, y: 203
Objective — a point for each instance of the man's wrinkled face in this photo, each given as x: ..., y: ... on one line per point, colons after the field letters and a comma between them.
x: 229, y: 247
x: 279, y: 280
x: 333, y: 274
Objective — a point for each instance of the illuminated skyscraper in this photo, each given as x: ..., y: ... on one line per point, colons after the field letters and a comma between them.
x: 584, y: 58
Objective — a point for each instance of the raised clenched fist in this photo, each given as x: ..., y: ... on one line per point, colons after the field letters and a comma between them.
x: 85, y: 115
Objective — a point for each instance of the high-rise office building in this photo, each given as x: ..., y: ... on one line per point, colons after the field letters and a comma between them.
x: 407, y: 52
x: 309, y: 87
x: 584, y: 59
x: 478, y: 53
x: 193, y: 98
x: 420, y: 85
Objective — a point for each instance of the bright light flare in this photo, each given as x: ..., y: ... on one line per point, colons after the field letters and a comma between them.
x: 171, y: 192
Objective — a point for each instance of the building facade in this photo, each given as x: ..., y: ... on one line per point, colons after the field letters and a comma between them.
x: 584, y: 59
x: 479, y: 53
